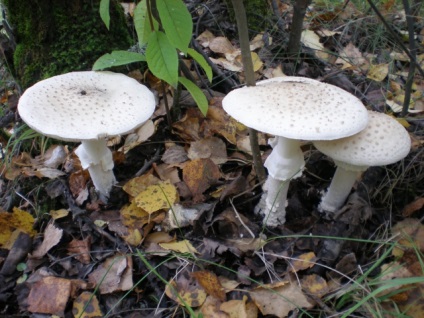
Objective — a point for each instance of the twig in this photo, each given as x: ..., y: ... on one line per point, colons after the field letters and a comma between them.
x: 412, y: 50
x: 148, y: 164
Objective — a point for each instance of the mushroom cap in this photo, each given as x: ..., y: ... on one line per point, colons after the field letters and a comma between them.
x: 297, y: 108
x: 86, y: 105
x: 382, y: 142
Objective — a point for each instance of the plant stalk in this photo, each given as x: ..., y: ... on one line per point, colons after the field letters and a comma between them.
x: 240, y: 15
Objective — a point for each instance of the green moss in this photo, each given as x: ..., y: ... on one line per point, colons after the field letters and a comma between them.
x: 59, y: 36
x: 256, y: 11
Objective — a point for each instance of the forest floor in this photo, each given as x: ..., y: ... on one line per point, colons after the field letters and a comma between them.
x: 179, y: 236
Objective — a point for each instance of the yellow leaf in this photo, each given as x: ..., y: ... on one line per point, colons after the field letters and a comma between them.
x: 257, y: 63
x: 378, y: 72
x: 80, y: 308
x: 18, y: 220
x: 58, y: 214
x: 183, y: 246
x: 133, y: 216
x: 156, y: 197
x: 186, y: 292
x: 303, y: 261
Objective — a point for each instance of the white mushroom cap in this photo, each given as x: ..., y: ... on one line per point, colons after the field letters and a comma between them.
x: 382, y: 142
x: 297, y: 108
x: 86, y: 105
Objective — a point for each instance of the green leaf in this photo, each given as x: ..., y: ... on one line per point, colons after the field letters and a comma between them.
x: 142, y: 23
x: 202, y: 62
x: 162, y: 58
x: 197, y: 94
x: 104, y: 12
x: 176, y: 22
x: 116, y: 58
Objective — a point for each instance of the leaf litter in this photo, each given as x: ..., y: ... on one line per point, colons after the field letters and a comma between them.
x: 190, y: 212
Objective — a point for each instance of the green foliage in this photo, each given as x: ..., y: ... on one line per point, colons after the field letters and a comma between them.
x: 163, y: 40
x: 117, y: 58
x: 162, y: 58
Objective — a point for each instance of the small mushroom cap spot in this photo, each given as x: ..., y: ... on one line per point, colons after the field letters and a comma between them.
x: 86, y: 105
x: 297, y: 108
x: 382, y: 142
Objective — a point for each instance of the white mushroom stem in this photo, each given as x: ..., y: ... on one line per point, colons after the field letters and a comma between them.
x: 284, y: 163
x: 97, y: 158
x: 339, y: 189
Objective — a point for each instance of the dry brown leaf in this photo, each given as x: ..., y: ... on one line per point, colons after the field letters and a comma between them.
x: 49, y: 295
x: 114, y: 274
x: 210, y: 308
x: 142, y: 134
x: 312, y: 40
x: 199, y: 175
x: 174, y: 154
x: 211, y: 147
x: 211, y: 284
x: 205, y: 38
x: 52, y: 236
x: 240, y: 308
x: 351, y: 58
x: 279, y: 299
x: 80, y: 250
x: 413, y: 207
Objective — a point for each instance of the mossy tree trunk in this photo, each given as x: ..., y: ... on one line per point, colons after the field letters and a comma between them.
x: 58, y: 36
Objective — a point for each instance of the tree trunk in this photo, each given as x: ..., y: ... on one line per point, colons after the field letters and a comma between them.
x: 59, y: 36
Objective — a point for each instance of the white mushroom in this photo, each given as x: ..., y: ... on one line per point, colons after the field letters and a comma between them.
x: 382, y: 142
x: 293, y: 109
x: 88, y: 107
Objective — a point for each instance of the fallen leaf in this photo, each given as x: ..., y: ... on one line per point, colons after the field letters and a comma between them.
x: 157, y: 197
x: 312, y: 40
x: 211, y: 284
x: 199, y: 175
x: 17, y: 220
x: 378, y: 72
x: 174, y: 154
x: 183, y: 246
x: 139, y: 184
x: 303, y: 262
x: 280, y: 298
x: 212, y: 147
x: 52, y: 236
x: 49, y: 296
x: 133, y: 216
x: 413, y: 207
x: 114, y: 274
x: 86, y: 305
x: 80, y: 250
x: 58, y: 214
x: 142, y: 134
x: 314, y: 285
x: 239, y: 308
x: 186, y: 291
x: 211, y: 308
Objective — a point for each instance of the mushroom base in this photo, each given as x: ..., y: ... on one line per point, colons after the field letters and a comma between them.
x: 97, y: 158
x: 273, y: 202
x: 338, y: 191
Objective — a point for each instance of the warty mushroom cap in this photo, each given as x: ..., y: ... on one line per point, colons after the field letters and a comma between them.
x: 382, y: 142
x: 297, y: 108
x: 86, y: 105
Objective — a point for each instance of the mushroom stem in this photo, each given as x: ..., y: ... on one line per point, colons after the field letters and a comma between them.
x: 97, y: 158
x: 338, y: 191
x: 284, y: 163
x: 286, y: 159
x: 275, y: 201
